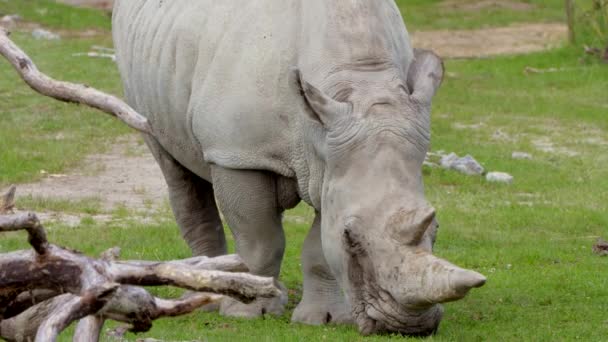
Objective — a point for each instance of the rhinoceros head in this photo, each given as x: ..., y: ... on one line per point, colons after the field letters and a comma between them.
x: 377, y: 227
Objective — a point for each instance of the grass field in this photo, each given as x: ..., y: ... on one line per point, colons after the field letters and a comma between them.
x: 440, y: 14
x: 53, y: 136
x: 532, y: 239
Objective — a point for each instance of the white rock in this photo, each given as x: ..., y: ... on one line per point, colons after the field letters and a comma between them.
x: 499, y: 177
x: 447, y: 160
x: 521, y: 155
x: 467, y: 164
x: 44, y: 34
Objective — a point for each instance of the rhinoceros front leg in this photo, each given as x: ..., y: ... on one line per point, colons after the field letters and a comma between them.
x: 323, y: 301
x: 248, y: 200
x: 193, y: 204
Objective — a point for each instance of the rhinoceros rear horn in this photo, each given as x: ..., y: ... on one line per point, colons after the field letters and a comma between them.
x: 320, y: 107
x: 409, y: 227
x: 425, y: 75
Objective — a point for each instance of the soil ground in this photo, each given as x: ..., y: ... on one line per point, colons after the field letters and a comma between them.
x: 127, y: 175
x: 103, y: 4
x: 487, y: 42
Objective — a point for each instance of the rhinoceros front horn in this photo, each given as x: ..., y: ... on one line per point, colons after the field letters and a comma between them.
x: 464, y: 280
x: 443, y: 282
x: 431, y: 280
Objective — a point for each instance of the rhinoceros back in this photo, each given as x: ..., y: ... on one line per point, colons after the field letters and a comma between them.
x: 212, y: 78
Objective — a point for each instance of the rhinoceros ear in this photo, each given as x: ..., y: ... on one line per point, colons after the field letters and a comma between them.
x: 425, y: 75
x: 321, y: 107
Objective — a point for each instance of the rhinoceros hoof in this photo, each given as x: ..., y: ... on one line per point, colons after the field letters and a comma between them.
x: 322, y: 313
x: 259, y: 307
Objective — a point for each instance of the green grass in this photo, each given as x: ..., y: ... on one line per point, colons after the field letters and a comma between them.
x: 55, y: 15
x: 89, y: 206
x: 532, y: 238
x: 432, y: 14
x: 42, y: 134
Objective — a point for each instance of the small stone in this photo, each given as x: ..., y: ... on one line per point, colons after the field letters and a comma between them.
x: 447, y: 160
x: 499, y: 177
x: 521, y: 155
x: 467, y: 164
x: 44, y: 34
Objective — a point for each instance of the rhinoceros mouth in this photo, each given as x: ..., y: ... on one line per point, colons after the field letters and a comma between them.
x: 374, y: 309
x: 376, y: 312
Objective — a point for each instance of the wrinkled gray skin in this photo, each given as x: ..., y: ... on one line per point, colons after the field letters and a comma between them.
x: 261, y: 104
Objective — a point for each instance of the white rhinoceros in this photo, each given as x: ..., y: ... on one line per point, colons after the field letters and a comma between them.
x: 261, y: 104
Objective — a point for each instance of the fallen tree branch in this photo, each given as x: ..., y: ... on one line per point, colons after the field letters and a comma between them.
x: 72, y: 309
x: 89, y: 329
x: 69, y: 92
x: 30, y: 223
x: 44, y: 290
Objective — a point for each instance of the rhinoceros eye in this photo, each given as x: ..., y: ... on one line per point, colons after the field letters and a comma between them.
x: 404, y: 89
x: 352, y: 222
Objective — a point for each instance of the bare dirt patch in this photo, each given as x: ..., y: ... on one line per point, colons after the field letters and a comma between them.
x: 516, y: 39
x: 478, y: 5
x: 126, y: 176
x: 102, y: 4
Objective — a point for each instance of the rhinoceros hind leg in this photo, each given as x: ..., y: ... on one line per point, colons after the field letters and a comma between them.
x: 193, y: 204
x: 248, y: 200
x: 323, y: 301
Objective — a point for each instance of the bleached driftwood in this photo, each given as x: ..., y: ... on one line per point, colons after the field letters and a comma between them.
x: 68, y: 92
x: 45, y: 289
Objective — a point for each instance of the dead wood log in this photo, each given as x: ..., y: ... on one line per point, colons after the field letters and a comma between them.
x: 68, y: 92
x: 89, y: 329
x: 45, y: 289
